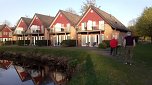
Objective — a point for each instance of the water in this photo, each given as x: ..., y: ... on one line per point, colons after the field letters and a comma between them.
x: 22, y: 73
x: 10, y: 77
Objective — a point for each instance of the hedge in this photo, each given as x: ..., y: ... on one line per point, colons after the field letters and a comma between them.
x: 10, y: 42
x: 68, y: 43
x: 42, y: 42
x: 21, y: 42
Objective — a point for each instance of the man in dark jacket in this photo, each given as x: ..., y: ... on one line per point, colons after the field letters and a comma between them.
x: 129, y: 44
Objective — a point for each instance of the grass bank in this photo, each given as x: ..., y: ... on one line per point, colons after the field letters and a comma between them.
x: 95, y: 69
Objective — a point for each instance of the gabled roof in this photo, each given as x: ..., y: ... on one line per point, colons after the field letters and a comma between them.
x: 73, y: 18
x: 2, y: 26
x: 46, y: 20
x: 13, y: 28
x: 111, y: 20
x: 26, y: 20
x: 6, y: 65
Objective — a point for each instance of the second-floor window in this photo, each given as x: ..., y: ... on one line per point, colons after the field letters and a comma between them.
x: 89, y: 25
x: 101, y: 25
x: 35, y: 29
x: 83, y: 26
x: 4, y: 33
x: 59, y: 27
x: 19, y: 30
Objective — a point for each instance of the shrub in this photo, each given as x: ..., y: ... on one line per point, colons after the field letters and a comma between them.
x: 68, y: 43
x: 21, y: 42
x: 42, y: 42
x: 102, y: 45
x: 10, y: 42
x: 107, y: 42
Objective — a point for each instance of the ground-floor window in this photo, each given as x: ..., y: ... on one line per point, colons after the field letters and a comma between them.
x: 57, y: 39
x: 91, y: 39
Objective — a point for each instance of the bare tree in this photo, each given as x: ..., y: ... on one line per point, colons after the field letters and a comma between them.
x: 86, y: 4
x: 71, y: 10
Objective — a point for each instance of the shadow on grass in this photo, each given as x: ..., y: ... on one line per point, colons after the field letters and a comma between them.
x: 90, y: 74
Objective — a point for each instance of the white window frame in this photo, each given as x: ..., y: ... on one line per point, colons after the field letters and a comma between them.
x: 101, y: 25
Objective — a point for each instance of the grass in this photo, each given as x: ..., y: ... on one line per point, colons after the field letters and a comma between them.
x: 96, y: 69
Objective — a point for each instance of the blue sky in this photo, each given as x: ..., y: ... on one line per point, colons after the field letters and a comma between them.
x: 123, y: 10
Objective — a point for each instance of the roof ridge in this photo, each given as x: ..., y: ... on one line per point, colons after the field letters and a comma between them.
x: 69, y: 12
x: 43, y: 15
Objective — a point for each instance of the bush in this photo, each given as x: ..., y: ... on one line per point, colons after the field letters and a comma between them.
x: 10, y: 42
x: 68, y: 43
x: 107, y: 42
x: 102, y: 45
x: 42, y: 42
x: 21, y: 42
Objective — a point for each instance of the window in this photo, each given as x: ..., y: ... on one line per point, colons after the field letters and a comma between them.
x: 94, y: 23
x: 35, y: 28
x: 101, y: 25
x: 89, y: 25
x: 4, y: 33
x: 58, y: 27
x: 94, y: 27
x: 82, y: 26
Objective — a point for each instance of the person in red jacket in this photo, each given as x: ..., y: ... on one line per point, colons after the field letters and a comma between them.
x: 113, y: 45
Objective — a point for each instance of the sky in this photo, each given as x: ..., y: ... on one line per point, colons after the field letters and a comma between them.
x: 123, y: 10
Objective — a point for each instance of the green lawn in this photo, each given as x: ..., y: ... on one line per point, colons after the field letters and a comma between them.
x: 95, y: 69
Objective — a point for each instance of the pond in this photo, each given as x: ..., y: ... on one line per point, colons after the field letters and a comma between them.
x: 30, y: 72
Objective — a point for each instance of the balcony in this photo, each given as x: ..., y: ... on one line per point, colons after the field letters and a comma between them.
x: 58, y: 30
x: 93, y: 28
x: 18, y: 32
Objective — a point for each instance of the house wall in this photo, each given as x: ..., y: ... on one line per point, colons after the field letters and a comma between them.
x: 60, y: 19
x: 37, y: 22
x: 46, y: 34
x: 5, y: 32
x: 108, y: 32
x: 91, y: 15
x: 73, y: 34
x: 14, y: 38
x: 22, y: 24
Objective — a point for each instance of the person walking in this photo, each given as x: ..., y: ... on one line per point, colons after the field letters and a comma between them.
x: 113, y: 46
x: 128, y: 44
